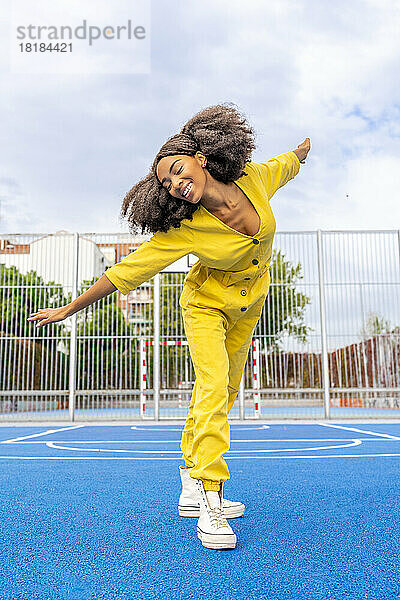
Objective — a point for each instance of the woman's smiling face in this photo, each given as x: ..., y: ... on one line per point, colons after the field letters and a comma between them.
x: 183, y: 176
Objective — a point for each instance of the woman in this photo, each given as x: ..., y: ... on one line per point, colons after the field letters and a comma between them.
x: 204, y: 196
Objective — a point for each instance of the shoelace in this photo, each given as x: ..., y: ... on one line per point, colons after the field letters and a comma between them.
x: 217, y: 517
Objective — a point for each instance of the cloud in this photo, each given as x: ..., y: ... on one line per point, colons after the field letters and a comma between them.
x: 73, y: 145
x: 15, y: 211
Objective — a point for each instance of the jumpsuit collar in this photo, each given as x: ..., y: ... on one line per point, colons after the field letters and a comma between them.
x: 231, y: 228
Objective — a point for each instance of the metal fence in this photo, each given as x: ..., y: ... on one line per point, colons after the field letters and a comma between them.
x: 327, y: 344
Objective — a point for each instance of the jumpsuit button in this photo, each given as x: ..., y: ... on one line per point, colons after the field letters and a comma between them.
x: 243, y: 292
x: 247, y: 277
x: 243, y: 308
x: 256, y: 241
x: 254, y: 261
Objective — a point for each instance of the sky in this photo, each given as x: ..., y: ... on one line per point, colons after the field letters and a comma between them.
x: 74, y: 144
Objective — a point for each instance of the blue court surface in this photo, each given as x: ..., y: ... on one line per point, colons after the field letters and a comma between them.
x: 90, y: 512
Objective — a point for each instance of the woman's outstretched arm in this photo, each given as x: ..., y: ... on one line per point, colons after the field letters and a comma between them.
x: 277, y: 171
x: 150, y: 258
x: 103, y: 287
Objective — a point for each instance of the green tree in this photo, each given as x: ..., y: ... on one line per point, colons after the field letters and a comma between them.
x: 283, y: 311
x: 284, y: 308
x: 107, y: 346
x: 34, y: 358
x: 23, y: 294
x: 30, y: 358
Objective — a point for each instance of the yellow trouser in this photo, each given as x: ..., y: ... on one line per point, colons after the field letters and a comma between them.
x: 219, y: 342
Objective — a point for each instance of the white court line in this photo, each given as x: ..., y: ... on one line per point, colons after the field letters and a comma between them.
x: 313, y: 456
x: 170, y: 429
x: 261, y: 440
x: 57, y: 447
x: 152, y: 429
x: 384, y: 435
x: 25, y: 437
x: 178, y: 458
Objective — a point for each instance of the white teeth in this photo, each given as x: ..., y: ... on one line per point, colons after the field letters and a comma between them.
x: 186, y: 191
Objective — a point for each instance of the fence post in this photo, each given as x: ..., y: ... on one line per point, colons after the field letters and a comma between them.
x: 242, y: 415
x: 256, y: 377
x: 156, y: 347
x: 143, y: 375
x: 72, y: 346
x: 324, y: 348
x: 398, y: 239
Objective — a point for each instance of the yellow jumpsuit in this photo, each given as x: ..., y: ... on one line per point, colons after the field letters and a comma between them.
x: 221, y: 301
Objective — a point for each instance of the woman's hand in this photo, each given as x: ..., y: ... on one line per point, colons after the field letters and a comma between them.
x: 302, y: 150
x: 49, y: 315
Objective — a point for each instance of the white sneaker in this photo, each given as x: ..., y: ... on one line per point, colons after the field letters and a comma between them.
x: 189, y: 505
x: 213, y: 529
